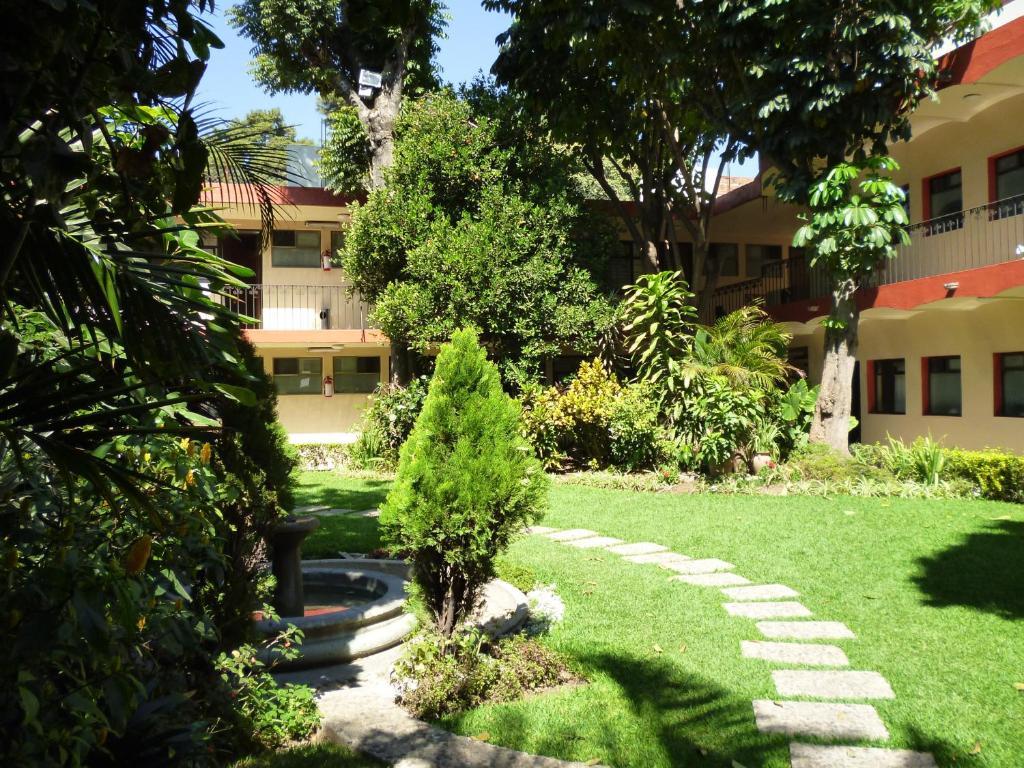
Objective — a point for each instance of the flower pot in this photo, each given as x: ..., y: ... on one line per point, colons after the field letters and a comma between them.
x: 760, y: 461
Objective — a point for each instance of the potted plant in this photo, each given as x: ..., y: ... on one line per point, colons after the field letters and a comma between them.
x: 763, y: 444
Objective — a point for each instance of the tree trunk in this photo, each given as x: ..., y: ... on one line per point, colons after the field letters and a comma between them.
x: 651, y: 263
x: 403, y: 368
x: 831, y: 424
x: 380, y: 129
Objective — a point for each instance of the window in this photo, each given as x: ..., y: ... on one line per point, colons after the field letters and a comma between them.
x: 762, y: 257
x: 356, y: 375
x: 1007, y: 184
x: 298, y: 375
x: 728, y: 256
x: 888, y: 386
x: 291, y: 248
x: 620, y: 271
x: 945, y: 203
x: 1010, y: 384
x: 337, y: 242
x: 942, y: 393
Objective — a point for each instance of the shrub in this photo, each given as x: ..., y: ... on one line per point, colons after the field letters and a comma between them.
x: 596, y: 422
x: 716, y: 422
x: 818, y: 462
x: 274, y: 714
x: 467, y: 482
x: 387, y: 423
x: 998, y: 475
x: 435, y: 682
x: 636, y: 439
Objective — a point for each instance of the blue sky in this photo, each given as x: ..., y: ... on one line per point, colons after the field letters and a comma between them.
x: 228, y: 88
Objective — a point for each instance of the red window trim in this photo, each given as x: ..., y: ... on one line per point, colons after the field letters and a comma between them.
x: 992, y: 170
x: 926, y: 196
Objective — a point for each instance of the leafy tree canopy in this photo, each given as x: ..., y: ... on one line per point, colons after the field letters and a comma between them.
x: 481, y: 223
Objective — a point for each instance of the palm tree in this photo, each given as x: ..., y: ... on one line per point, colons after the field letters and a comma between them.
x: 745, y: 347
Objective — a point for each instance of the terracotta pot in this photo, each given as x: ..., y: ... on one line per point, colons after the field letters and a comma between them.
x: 759, y: 461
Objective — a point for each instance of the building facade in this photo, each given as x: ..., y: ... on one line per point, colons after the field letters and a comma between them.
x: 942, y: 326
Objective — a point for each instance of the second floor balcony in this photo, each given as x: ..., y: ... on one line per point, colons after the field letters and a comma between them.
x: 985, y: 236
x: 300, y: 307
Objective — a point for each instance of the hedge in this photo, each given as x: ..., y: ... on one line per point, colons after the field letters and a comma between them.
x: 997, y: 474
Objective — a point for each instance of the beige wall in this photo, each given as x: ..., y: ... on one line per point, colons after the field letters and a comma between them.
x: 975, y: 334
x: 319, y: 419
x: 966, y: 145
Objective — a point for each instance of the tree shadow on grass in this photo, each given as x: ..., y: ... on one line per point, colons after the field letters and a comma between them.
x: 371, y: 494
x: 983, y: 571
x: 944, y: 752
x: 673, y: 717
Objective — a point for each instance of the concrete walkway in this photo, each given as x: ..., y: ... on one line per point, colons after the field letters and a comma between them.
x: 841, y: 714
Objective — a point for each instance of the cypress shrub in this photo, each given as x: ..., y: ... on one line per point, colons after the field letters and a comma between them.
x: 467, y: 482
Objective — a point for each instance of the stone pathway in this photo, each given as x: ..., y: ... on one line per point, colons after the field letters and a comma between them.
x: 842, y: 717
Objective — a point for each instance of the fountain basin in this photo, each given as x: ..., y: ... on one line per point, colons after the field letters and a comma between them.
x: 354, y: 612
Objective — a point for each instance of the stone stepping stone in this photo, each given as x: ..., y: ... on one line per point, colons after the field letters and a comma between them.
x: 817, y: 756
x: 810, y: 654
x: 369, y: 513
x: 830, y: 684
x: 572, y: 533
x: 309, y: 509
x: 537, y: 530
x: 331, y: 512
x: 805, y: 630
x: 709, y: 565
x: 642, y: 548
x: 657, y: 558
x: 822, y: 720
x: 720, y: 579
x: 760, y: 592
x: 765, y: 610
x: 593, y: 542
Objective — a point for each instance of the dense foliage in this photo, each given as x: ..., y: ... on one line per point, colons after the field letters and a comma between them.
x: 483, y: 226
x: 125, y: 575
x: 466, y: 483
x: 387, y: 423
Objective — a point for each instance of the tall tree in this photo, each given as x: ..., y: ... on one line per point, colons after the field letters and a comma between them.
x: 322, y: 46
x: 481, y: 223
x: 810, y: 85
x: 597, y: 72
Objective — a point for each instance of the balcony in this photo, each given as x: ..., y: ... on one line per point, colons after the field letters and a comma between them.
x: 300, y: 307
x: 978, y: 237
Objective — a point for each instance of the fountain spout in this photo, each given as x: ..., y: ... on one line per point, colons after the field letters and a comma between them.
x: 286, y: 558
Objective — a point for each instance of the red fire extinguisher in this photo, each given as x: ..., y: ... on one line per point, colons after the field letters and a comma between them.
x: 325, y: 261
x: 328, y: 386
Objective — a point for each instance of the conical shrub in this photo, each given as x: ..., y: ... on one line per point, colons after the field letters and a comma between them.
x: 467, y: 482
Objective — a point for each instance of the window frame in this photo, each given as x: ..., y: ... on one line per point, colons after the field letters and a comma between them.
x: 926, y: 382
x: 764, y: 262
x: 712, y: 248
x: 999, y: 381
x: 1014, y: 208
x: 875, y: 396
x: 274, y: 247
x: 318, y: 390
x: 949, y: 221
x: 339, y: 377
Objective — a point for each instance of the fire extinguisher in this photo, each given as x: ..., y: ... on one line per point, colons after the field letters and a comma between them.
x: 328, y: 386
x: 325, y: 261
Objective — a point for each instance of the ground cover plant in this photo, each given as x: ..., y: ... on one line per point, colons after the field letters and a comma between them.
x: 930, y: 587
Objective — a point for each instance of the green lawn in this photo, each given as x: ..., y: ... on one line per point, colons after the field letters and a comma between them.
x: 347, y: 533
x: 932, y: 589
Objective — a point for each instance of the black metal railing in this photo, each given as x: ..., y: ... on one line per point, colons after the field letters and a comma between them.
x: 977, y: 237
x: 300, y: 307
